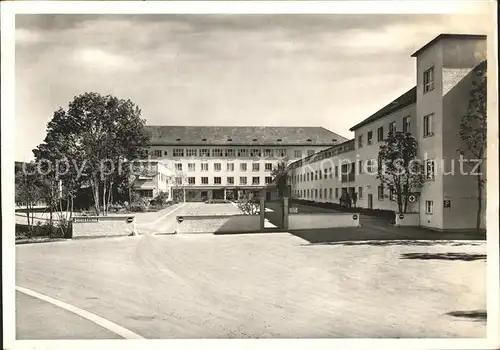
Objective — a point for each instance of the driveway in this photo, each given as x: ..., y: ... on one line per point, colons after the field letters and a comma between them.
x: 273, y: 285
x: 164, y: 222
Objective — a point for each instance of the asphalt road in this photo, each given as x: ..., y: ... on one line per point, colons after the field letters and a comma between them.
x: 251, y: 286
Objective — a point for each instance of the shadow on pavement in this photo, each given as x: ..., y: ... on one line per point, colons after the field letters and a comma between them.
x: 444, y: 256
x: 475, y: 315
x: 378, y: 236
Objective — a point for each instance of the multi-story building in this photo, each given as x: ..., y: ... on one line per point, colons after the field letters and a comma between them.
x: 229, y: 162
x: 431, y: 111
x: 151, y: 178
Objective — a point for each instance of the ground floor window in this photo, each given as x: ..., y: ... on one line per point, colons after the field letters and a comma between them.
x: 429, y: 207
x: 336, y: 193
x: 331, y: 193
x: 360, y: 192
x: 145, y: 193
x: 381, y: 192
x: 392, y: 194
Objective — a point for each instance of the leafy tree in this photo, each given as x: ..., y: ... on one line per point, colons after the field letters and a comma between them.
x: 28, y: 190
x: 180, y: 184
x: 473, y: 131
x: 95, y: 135
x: 399, y: 168
x: 280, y: 178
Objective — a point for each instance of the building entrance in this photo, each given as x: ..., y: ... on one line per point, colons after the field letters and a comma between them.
x: 218, y: 194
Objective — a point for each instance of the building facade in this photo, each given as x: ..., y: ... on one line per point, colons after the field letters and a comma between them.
x: 431, y: 111
x: 228, y: 162
x: 151, y: 178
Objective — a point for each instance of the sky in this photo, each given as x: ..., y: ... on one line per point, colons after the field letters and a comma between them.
x: 277, y: 70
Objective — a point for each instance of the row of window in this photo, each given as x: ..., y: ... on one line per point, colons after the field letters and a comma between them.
x: 327, y: 193
x: 324, y: 193
x: 329, y: 153
x: 217, y: 180
x: 230, y: 152
x: 218, y: 167
x: 349, y: 171
x: 380, y: 132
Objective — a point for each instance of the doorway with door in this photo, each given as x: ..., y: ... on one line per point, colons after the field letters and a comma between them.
x: 370, y: 201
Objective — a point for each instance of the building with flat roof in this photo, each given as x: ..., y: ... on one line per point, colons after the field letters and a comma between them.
x: 431, y: 112
x: 215, y: 162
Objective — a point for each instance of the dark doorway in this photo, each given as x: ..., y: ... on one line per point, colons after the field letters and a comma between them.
x: 268, y: 196
x: 204, y: 195
x: 370, y: 201
x: 218, y: 194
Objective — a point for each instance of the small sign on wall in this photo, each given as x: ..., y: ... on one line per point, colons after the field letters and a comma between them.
x: 293, y: 210
x: 84, y: 219
x: 447, y: 203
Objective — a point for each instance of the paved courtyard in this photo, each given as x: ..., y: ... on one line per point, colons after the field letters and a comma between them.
x: 276, y: 285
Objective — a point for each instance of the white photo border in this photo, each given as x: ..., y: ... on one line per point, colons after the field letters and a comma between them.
x: 10, y: 9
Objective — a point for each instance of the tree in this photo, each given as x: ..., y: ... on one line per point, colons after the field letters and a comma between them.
x: 180, y: 186
x: 280, y: 178
x: 399, y: 169
x: 28, y: 190
x: 473, y: 132
x: 95, y: 136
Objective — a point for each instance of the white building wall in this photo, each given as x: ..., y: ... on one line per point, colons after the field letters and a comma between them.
x: 459, y: 187
x: 323, y: 185
x: 158, y: 182
x: 364, y: 179
x: 452, y: 59
x: 431, y: 147
x: 167, y: 157
x: 368, y: 180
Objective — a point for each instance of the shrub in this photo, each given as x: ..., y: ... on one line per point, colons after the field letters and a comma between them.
x: 58, y: 229
x: 249, y: 206
x: 161, y: 198
x: 217, y: 201
x: 115, y: 208
x: 139, y: 206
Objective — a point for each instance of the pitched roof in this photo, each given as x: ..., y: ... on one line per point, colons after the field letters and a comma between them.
x: 344, y: 147
x: 242, y: 135
x: 447, y: 36
x: 406, y: 99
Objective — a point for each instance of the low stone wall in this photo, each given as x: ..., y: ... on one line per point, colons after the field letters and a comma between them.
x: 407, y: 219
x: 219, y: 224
x: 103, y: 226
x: 322, y: 220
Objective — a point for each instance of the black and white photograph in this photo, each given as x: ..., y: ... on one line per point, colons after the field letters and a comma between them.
x: 250, y: 175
